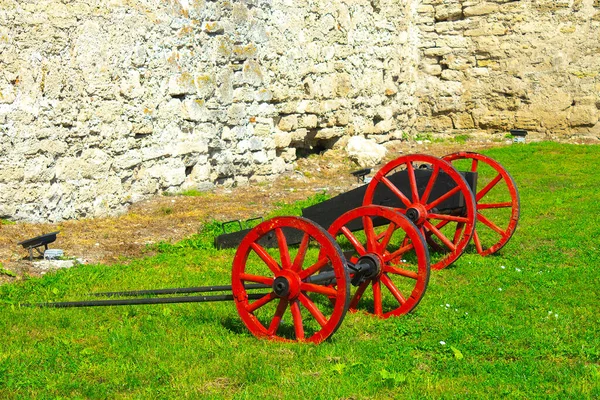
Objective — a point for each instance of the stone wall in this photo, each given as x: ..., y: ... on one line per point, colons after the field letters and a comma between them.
x: 493, y: 66
x: 103, y: 103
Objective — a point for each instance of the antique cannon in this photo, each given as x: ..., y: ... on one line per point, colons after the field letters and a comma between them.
x: 379, y: 241
x: 445, y: 204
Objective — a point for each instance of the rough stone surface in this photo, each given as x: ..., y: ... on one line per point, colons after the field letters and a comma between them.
x: 365, y: 152
x: 106, y: 103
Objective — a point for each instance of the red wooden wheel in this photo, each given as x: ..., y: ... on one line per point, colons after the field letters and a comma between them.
x: 290, y: 276
x: 377, y: 233
x: 497, y: 201
x: 434, y: 196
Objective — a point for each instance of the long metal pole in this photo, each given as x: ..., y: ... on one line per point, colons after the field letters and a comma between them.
x: 199, y: 289
x: 160, y: 300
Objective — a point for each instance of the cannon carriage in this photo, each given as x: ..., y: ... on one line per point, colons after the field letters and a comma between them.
x: 293, y: 279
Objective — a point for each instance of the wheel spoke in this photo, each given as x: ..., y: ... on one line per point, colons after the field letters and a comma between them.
x: 325, y: 290
x: 297, y: 317
x: 400, y: 271
x: 299, y: 260
x: 494, y: 205
x: 413, y: 182
x: 474, y: 164
x: 398, y: 253
x: 488, y: 187
x: 266, y: 299
x: 314, y: 268
x: 359, y: 292
x: 354, y: 241
x: 393, y: 289
x: 396, y: 191
x: 477, y: 242
x: 256, y: 279
x: 443, y: 198
x: 266, y: 257
x: 491, y: 225
x: 430, y: 184
x: 458, y: 232
x: 276, y: 321
x: 427, y: 235
x: 445, y: 217
x: 387, y: 236
x: 283, y: 249
x: 441, y: 236
x: 369, y: 233
x: 312, y: 308
x: 377, y: 305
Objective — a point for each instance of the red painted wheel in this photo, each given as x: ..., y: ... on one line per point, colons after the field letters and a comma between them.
x: 432, y: 194
x: 498, y: 203
x: 376, y: 233
x: 294, y: 278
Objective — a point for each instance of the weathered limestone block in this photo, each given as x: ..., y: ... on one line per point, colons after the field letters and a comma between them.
x: 252, y: 73
x: 288, y: 123
x: 288, y: 154
x: 38, y: 169
x: 493, y: 29
x: 384, y: 126
x: 299, y: 136
x: 282, y: 139
x: 308, y: 121
x: 8, y: 94
x: 205, y: 85
x: 452, y: 75
x: 498, y: 120
x: 167, y: 173
x: 236, y: 114
x: 527, y: 120
x: 243, y: 52
x: 583, y: 116
x: 213, y: 27
x: 463, y: 121
x: 481, y: 9
x: 437, y: 51
x: 448, y: 12
x: 182, y: 84
x: 365, y: 152
x: 263, y: 95
x: 131, y: 87
x: 432, y: 69
x: 53, y: 147
x: 196, y: 110
x: 11, y: 174
x: 437, y: 124
x: 330, y: 133
x: 95, y: 163
x: 130, y: 159
x: 261, y: 157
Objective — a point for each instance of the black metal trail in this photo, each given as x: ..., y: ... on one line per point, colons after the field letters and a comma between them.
x: 160, y: 300
x: 199, y: 289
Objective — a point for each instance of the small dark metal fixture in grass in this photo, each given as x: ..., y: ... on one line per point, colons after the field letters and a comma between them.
x: 380, y: 239
x: 37, y: 242
x: 518, y: 135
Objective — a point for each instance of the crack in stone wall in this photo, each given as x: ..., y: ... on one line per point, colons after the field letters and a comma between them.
x: 106, y: 103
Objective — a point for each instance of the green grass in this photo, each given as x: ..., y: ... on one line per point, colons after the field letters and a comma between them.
x: 522, y: 324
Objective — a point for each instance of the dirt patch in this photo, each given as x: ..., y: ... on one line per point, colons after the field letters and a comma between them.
x: 116, y: 239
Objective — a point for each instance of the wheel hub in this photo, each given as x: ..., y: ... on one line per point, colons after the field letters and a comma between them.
x: 367, y: 267
x: 281, y: 286
x: 287, y: 285
x: 417, y: 213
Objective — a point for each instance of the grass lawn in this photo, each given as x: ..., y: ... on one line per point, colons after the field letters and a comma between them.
x: 523, y: 323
